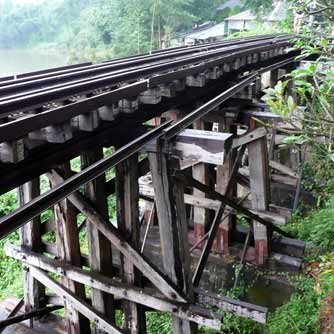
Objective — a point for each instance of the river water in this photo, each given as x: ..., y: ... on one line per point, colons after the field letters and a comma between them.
x: 14, y: 61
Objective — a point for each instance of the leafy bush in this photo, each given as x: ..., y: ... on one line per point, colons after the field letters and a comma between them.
x: 301, y: 314
x: 317, y: 228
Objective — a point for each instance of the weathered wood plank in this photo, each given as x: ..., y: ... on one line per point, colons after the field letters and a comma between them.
x: 260, y: 194
x: 127, y: 198
x: 285, y: 180
x: 147, y: 297
x: 283, y: 169
x: 210, y: 204
x: 203, y: 146
x: 68, y: 249
x: 173, y: 230
x: 31, y: 238
x: 249, y: 137
x: 119, y: 242
x: 79, y: 304
x: 241, y: 309
x: 201, y: 172
x: 216, y: 222
x: 188, y: 180
x: 100, y: 254
x: 223, y: 237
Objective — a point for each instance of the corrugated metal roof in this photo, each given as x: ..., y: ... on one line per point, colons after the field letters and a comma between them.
x: 215, y: 31
x: 202, y: 27
x: 243, y: 16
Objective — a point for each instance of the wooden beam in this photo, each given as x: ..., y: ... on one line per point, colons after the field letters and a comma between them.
x: 27, y: 316
x: 238, y: 308
x: 283, y: 169
x: 119, y: 242
x: 100, y: 254
x: 223, y: 237
x: 143, y: 168
x: 13, y: 312
x: 78, y: 304
x: 189, y: 181
x: 147, y: 297
x: 285, y: 180
x: 68, y: 249
x: 127, y: 199
x: 210, y: 204
x: 31, y: 238
x: 201, y: 172
x: 216, y: 222
x: 249, y: 137
x: 260, y: 194
x: 203, y: 146
x: 173, y: 229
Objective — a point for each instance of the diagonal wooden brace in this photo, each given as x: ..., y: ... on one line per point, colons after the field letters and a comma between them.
x: 79, y: 304
x: 183, y: 177
x: 144, y: 296
x: 113, y: 235
x: 216, y: 222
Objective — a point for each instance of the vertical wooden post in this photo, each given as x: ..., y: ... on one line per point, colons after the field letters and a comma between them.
x: 173, y: 230
x: 68, y: 249
x: 100, y: 251
x: 201, y: 172
x: 223, y: 238
x: 259, y: 185
x: 274, y: 78
x: 127, y: 192
x: 34, y: 292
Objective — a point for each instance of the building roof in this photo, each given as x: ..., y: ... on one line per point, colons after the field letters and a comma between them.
x: 246, y: 15
x: 211, y: 32
x: 201, y: 27
x: 229, y: 4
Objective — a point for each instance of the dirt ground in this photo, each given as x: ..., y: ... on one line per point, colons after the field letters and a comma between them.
x: 327, y: 316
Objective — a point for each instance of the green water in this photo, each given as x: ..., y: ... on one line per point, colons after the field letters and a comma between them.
x: 14, y: 61
x: 268, y: 293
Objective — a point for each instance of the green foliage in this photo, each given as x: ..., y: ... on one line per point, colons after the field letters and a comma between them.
x: 258, y: 6
x: 316, y: 228
x: 8, y: 203
x: 301, y: 314
x: 101, y: 29
x: 159, y: 323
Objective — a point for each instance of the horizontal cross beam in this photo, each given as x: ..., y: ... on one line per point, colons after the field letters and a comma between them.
x: 190, y: 181
x: 26, y: 213
x: 146, y: 297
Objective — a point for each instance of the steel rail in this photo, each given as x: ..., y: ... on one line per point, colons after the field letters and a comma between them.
x: 105, y: 70
x: 227, y: 41
x: 21, y: 216
x: 38, y: 98
x: 185, y: 122
x: 21, y: 127
x: 90, y: 74
x: 201, y: 47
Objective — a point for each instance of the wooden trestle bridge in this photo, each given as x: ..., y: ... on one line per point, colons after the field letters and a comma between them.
x: 181, y: 125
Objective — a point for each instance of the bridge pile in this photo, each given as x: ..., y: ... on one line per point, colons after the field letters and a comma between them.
x: 181, y: 125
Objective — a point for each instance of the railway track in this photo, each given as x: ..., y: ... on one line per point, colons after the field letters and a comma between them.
x: 60, y: 106
x: 167, y: 60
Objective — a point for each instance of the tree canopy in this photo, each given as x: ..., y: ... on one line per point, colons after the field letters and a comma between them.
x: 111, y: 27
